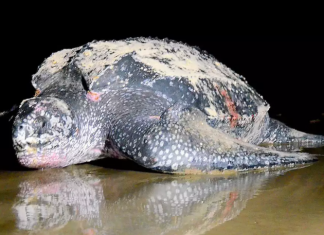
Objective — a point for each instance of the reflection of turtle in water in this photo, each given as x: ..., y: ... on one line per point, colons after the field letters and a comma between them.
x: 82, y: 198
x: 52, y: 200
x: 165, y: 105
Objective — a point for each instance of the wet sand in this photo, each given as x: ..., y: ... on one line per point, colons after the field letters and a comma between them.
x: 93, y: 199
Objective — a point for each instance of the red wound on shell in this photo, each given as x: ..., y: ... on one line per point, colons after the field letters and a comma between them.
x: 230, y: 106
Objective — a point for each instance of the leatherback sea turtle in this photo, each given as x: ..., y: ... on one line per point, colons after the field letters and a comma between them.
x: 163, y: 104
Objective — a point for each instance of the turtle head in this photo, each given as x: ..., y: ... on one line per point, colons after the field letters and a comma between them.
x: 41, y: 132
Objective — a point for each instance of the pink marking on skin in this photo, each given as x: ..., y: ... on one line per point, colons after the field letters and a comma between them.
x: 50, y: 189
x: 93, y: 96
x: 233, y: 196
x: 154, y: 117
x: 39, y: 108
x: 98, y: 183
x: 96, y: 150
x: 89, y: 231
x: 48, y: 161
x: 230, y: 106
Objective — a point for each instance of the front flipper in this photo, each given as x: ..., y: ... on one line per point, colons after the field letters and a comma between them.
x: 181, y: 141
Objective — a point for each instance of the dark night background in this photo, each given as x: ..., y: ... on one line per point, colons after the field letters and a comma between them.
x: 286, y: 70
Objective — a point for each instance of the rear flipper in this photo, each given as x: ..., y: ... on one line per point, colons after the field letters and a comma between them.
x: 183, y: 142
x: 285, y: 138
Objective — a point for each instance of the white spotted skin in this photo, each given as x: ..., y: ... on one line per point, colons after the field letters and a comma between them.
x: 160, y: 103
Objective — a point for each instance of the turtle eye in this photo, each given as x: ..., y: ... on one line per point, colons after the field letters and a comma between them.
x: 41, y: 124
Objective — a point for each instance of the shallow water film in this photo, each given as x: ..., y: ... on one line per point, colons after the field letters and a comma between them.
x: 92, y: 199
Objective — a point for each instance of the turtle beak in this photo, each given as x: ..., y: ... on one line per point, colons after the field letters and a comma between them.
x: 41, y: 127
